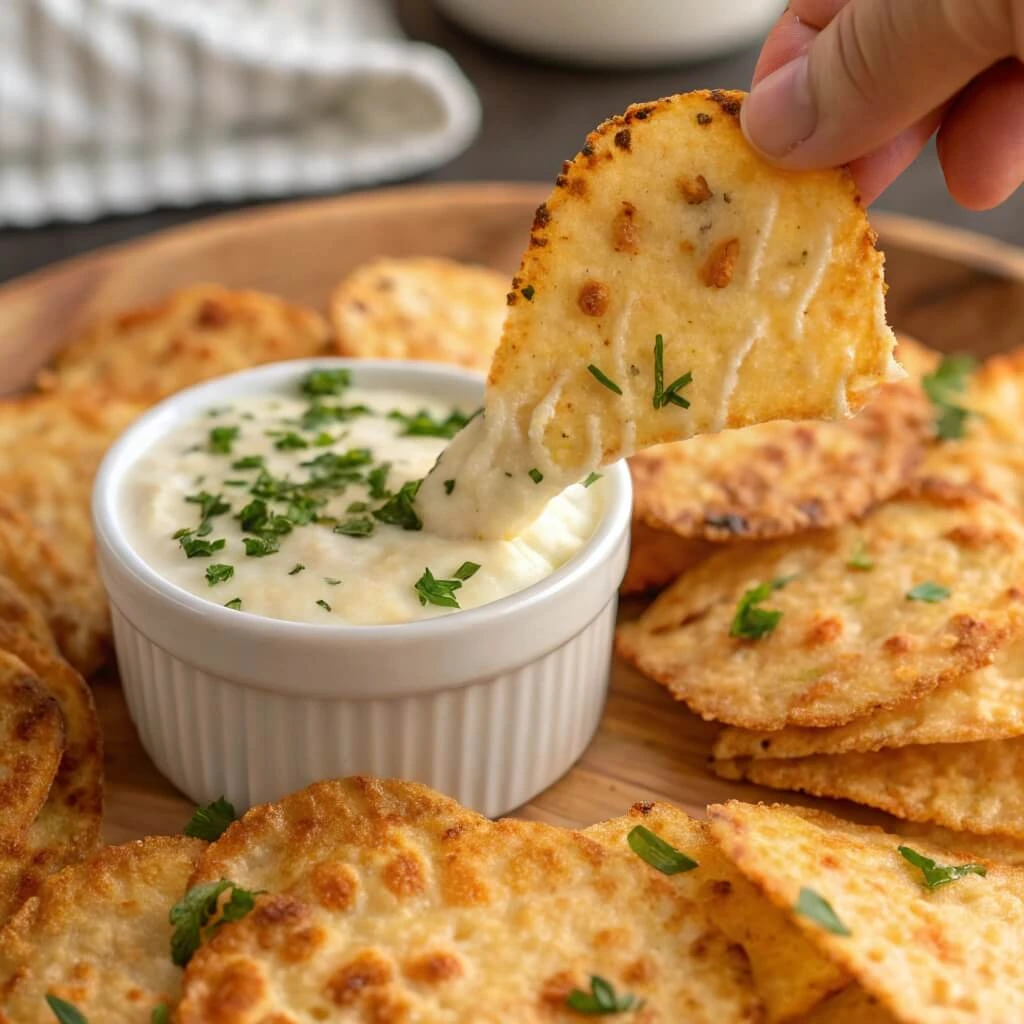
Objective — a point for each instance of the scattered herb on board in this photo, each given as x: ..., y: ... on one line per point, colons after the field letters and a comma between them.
x: 449, y: 486
x: 536, y: 475
x: 318, y: 383
x: 751, y: 622
x: 201, y: 911
x: 602, y: 999
x: 936, y: 875
x: 65, y: 1012
x: 331, y: 581
x: 323, y: 604
x: 928, y: 592
x: 218, y: 573
x: 591, y: 479
x: 221, y: 439
x: 942, y: 386
x: 235, y: 604
x: 860, y: 559
x: 209, y: 822
x: 816, y: 908
x: 667, y: 395
x: 655, y: 851
x: 602, y: 378
x: 296, y: 569
x: 422, y: 424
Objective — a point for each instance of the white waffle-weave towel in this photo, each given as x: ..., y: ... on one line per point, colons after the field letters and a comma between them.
x: 116, y: 106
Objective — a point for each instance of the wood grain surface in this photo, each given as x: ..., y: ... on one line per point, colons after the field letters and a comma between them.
x: 956, y: 291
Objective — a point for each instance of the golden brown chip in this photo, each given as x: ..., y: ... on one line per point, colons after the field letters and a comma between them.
x: 973, y: 787
x: 19, y: 611
x: 67, y: 828
x: 948, y: 955
x: 851, y: 1006
x: 196, y: 333
x: 31, y: 744
x: 98, y: 936
x: 962, y: 846
x: 417, y: 308
x: 404, y: 906
x: 849, y: 640
x: 789, y: 976
x: 776, y: 479
x: 658, y: 557
x: 986, y: 704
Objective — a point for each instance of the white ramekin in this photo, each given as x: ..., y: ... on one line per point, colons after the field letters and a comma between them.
x: 489, y: 705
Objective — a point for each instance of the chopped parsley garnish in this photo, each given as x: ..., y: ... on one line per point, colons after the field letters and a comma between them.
x: 938, y: 874
x: 195, y: 546
x: 218, y: 573
x: 296, y: 569
x: 591, y: 479
x: 324, y: 440
x: 860, y: 559
x: 291, y: 441
x: 209, y: 822
x: 929, y: 592
x: 323, y: 604
x: 422, y: 424
x: 942, y: 386
x: 259, y: 547
x: 210, y: 505
x: 602, y: 378
x: 257, y: 518
x: 201, y: 912
x: 667, y: 395
x: 399, y: 511
x: 236, y: 483
x: 751, y: 622
x: 602, y: 999
x: 319, y: 415
x: 434, y: 591
x: 334, y: 467
x: 377, y: 481
x: 235, y: 604
x: 528, y: 292
x: 326, y: 382
x: 221, y: 440
x: 355, y: 526
x: 248, y: 462
x: 655, y: 851
x: 331, y: 581
x: 536, y: 475
x: 467, y: 570
x: 449, y: 486
x: 65, y: 1012
x: 816, y: 908
x: 358, y: 506
x: 161, y: 1014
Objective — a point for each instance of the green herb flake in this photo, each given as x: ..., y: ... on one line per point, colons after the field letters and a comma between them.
x: 949, y: 380
x: 751, y: 622
x: 377, y: 481
x: 656, y: 852
x: 296, y: 569
x: 331, y: 581
x: 65, y: 1012
x: 323, y: 440
x: 591, y: 479
x: 201, y: 912
x: 323, y: 604
x: 196, y: 547
x: 358, y: 506
x: 928, y: 592
x: 210, y: 505
x: 816, y: 908
x: 210, y: 822
x: 399, y: 509
x: 291, y: 442
x: 528, y: 292
x: 235, y: 482
x: 536, y: 475
x: 161, y: 1014
x: 936, y: 875
x: 439, y: 592
x: 218, y: 573
x: 326, y: 382
x: 467, y: 570
x: 602, y: 378
x: 260, y: 547
x: 355, y: 526
x: 235, y: 604
x: 449, y: 486
x: 422, y: 424
x: 860, y: 559
x: 221, y: 439
x: 248, y: 462
x: 602, y: 999
x: 667, y: 395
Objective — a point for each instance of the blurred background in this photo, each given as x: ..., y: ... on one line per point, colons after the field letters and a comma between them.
x: 121, y: 117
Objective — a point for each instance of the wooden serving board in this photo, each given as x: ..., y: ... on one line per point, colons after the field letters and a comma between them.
x: 954, y: 290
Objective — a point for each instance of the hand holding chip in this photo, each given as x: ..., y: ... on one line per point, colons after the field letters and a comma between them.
x: 869, y: 81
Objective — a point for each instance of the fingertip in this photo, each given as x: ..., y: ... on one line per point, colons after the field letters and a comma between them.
x: 789, y: 38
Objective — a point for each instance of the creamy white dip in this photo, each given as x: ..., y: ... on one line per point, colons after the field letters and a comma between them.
x: 315, y: 464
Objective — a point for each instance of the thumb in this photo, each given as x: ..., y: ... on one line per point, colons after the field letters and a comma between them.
x: 877, y: 68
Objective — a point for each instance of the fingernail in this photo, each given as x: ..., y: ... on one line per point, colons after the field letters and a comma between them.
x: 779, y: 113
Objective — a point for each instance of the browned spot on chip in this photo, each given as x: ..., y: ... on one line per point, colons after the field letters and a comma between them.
x: 625, y: 236
x: 898, y: 643
x: 718, y: 268
x: 404, y: 875
x: 593, y: 298
x: 622, y: 139
x: 824, y: 631
x: 431, y: 968
x: 541, y: 218
x: 730, y: 102
x: 578, y: 187
x: 334, y: 885
x: 695, y: 190
x: 349, y: 982
x: 704, y: 119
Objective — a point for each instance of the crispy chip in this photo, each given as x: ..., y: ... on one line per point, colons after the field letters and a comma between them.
x: 401, y: 905
x: 196, y: 333
x: 986, y: 704
x: 945, y: 956
x: 658, y: 557
x: 764, y: 285
x: 849, y: 640
x: 98, y: 936
x: 789, y: 976
x: 962, y: 846
x: 851, y: 1006
x: 431, y: 309
x: 19, y: 611
x: 973, y: 787
x: 67, y: 828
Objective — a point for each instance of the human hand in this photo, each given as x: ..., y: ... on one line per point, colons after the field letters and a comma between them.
x: 867, y: 82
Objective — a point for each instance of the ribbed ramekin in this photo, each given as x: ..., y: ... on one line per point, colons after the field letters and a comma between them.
x: 489, y: 705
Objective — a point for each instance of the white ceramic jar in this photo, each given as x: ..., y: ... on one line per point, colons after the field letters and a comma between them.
x: 490, y: 705
x: 617, y: 33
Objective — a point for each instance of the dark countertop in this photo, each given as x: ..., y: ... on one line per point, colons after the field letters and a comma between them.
x: 534, y: 117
